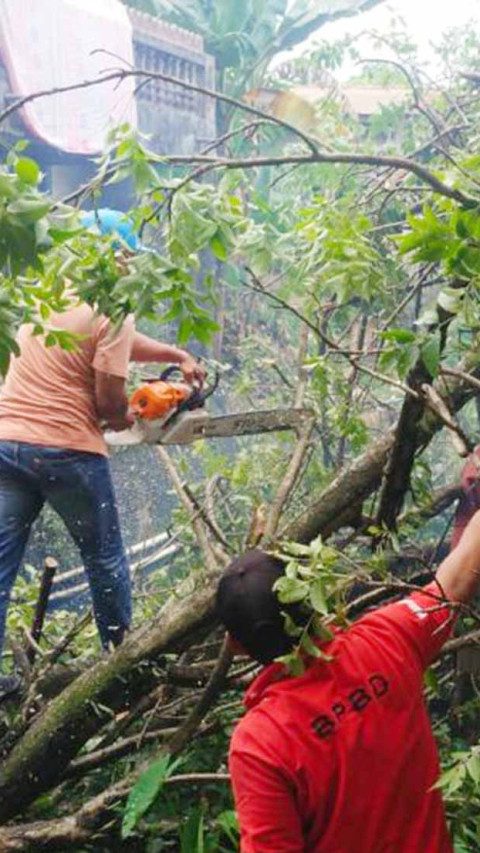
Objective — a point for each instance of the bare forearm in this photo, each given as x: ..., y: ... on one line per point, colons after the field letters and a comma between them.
x: 111, y: 400
x: 146, y: 349
x: 459, y: 574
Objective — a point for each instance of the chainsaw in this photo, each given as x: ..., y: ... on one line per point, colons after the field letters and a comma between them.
x: 174, y: 412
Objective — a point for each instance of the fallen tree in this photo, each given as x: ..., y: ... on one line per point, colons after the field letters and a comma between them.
x: 44, y: 752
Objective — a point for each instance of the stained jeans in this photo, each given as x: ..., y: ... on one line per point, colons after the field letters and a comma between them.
x: 79, y: 487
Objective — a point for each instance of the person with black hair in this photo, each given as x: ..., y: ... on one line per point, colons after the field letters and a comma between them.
x: 342, y: 759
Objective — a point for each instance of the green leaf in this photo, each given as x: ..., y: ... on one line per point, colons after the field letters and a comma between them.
x: 430, y: 353
x: 293, y: 663
x: 318, y: 598
x: 27, y: 170
x: 228, y: 824
x: 431, y: 681
x: 309, y: 646
x: 290, y: 627
x: 44, y: 311
x: 29, y: 210
x: 451, y: 299
x: 452, y: 779
x: 219, y: 246
x: 400, y: 336
x: 473, y: 768
x: 203, y: 328
x: 145, y: 792
x: 291, y: 590
x: 7, y: 186
x: 62, y: 234
x: 299, y: 550
x: 185, y: 329
x: 5, y: 355
x: 192, y: 838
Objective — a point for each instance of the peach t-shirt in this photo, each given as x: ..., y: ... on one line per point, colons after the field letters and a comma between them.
x: 48, y: 396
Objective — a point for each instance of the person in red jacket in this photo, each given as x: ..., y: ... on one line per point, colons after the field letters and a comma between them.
x: 342, y: 759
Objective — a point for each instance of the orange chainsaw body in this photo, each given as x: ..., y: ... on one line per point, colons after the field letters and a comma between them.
x: 156, y: 399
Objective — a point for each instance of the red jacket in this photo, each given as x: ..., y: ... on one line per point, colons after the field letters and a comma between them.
x: 343, y: 759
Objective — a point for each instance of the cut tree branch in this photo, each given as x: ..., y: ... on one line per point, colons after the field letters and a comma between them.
x: 198, y: 524
x: 212, y: 690
x: 65, y: 833
x: 289, y: 479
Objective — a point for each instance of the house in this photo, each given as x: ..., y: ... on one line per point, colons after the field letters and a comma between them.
x: 174, y: 119
x: 301, y: 104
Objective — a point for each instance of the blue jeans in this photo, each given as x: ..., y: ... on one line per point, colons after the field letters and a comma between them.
x: 79, y: 487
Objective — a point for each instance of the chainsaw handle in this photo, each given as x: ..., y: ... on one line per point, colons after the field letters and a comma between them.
x: 199, y: 395
x: 169, y: 371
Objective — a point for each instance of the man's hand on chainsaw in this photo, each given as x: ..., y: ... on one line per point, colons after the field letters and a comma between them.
x: 145, y: 349
x: 192, y: 371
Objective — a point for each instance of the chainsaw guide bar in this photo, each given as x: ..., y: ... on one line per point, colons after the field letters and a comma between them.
x: 188, y: 426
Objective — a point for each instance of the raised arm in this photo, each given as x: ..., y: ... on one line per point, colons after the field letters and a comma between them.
x: 147, y: 349
x: 459, y: 574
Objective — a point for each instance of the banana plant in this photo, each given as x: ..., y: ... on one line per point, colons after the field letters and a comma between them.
x: 244, y: 37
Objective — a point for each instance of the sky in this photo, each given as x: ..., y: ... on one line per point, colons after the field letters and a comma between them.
x: 425, y: 20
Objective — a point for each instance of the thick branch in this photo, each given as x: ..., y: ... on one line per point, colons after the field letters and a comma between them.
x: 115, y: 683
x: 358, y: 480
x: 208, y: 697
x: 402, y: 163
x: 124, y: 74
x: 289, y: 479
x: 68, y: 832
x: 400, y: 464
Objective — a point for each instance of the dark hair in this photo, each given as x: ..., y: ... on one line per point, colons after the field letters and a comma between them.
x: 249, y: 608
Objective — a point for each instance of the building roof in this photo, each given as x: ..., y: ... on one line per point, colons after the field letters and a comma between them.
x: 148, y: 27
x: 367, y: 100
x: 361, y: 99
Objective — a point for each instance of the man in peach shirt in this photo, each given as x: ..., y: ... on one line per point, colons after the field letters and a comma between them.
x: 52, y: 448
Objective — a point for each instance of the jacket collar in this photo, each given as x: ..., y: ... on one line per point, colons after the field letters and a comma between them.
x: 269, y: 675
x: 273, y: 673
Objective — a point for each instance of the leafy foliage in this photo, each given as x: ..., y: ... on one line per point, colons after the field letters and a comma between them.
x: 145, y: 792
x: 460, y: 785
